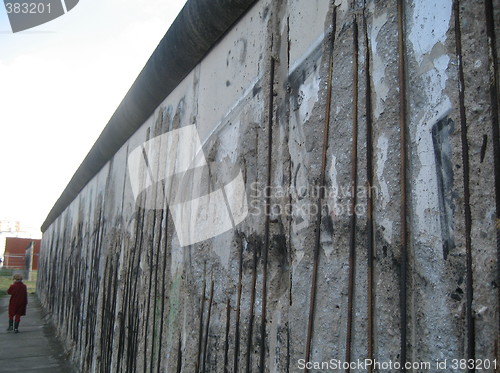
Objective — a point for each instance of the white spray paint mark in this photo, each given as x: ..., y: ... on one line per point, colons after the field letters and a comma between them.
x: 382, y: 148
x: 299, y: 255
x: 309, y: 93
x: 427, y: 36
x: 207, y: 132
x: 228, y: 140
x: 307, y: 53
x: 426, y: 186
x: 334, y: 182
x: 387, y: 231
x: 222, y: 248
x: 430, y: 24
x: 436, y: 79
x: 380, y: 87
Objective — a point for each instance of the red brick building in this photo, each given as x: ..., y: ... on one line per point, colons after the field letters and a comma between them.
x: 15, y: 252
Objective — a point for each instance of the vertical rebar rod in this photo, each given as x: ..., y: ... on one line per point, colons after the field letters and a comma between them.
x: 369, y: 201
x: 490, y: 31
x: 470, y: 353
x: 163, y: 287
x: 402, y: 174
x: 207, y: 326
x: 200, y: 324
x: 226, y: 342
x: 154, y: 341
x: 312, y: 300
x: 268, y: 213
x: 252, y: 312
x: 354, y: 183
x: 238, y: 313
x: 179, y: 355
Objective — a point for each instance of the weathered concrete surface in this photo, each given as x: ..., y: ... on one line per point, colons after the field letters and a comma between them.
x: 128, y: 297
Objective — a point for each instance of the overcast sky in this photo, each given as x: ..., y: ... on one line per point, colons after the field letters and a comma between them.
x: 59, y: 84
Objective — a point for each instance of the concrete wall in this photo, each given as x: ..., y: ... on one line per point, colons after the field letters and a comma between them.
x: 300, y: 97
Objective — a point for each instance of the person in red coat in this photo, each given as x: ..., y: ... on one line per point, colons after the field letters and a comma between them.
x: 18, y: 301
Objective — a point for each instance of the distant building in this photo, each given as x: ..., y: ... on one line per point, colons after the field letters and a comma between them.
x: 15, y: 229
x: 10, y: 226
x: 15, y: 252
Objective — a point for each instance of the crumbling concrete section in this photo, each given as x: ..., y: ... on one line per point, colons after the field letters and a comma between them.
x: 321, y: 192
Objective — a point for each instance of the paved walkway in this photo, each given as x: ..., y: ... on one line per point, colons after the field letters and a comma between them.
x: 34, y: 349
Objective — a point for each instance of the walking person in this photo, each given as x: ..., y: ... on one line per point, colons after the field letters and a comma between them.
x: 18, y: 301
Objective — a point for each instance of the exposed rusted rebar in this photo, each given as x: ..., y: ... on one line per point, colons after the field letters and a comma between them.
x: 252, y: 312
x: 163, y: 287
x: 179, y: 355
x: 466, y: 172
x: 268, y: 213
x: 369, y: 201
x: 226, y: 342
x: 490, y: 31
x: 354, y: 185
x: 312, y: 300
x: 238, y: 312
x: 200, y: 324
x: 207, y: 326
x: 402, y: 174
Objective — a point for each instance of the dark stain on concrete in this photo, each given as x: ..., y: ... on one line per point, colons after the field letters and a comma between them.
x: 441, y: 137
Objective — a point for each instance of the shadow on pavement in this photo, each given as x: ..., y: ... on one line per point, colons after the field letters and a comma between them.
x: 35, y: 348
